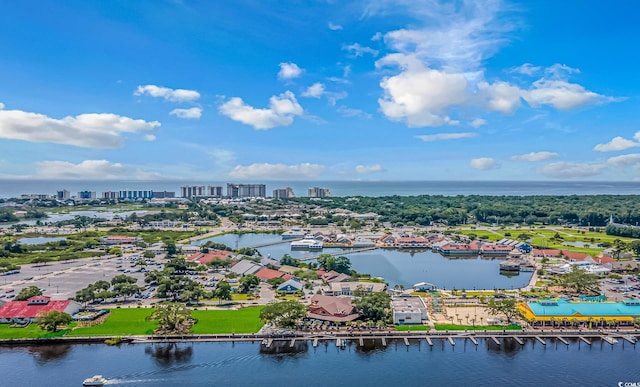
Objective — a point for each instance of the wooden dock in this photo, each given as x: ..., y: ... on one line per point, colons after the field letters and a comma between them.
x: 453, y: 343
x: 384, y: 342
x: 361, y: 341
x: 563, y: 340
x: 541, y: 340
x: 609, y: 339
x: 473, y: 340
x: 429, y: 341
x: 406, y: 341
x: 585, y: 340
x: 315, y: 342
x: 495, y: 340
x: 293, y: 343
x: 519, y: 340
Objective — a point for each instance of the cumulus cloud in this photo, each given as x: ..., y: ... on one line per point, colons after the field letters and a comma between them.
x: 526, y: 69
x: 418, y: 95
x: 281, y: 112
x: 314, y: 91
x: 501, y: 96
x: 478, y: 122
x: 358, y: 50
x: 483, y: 163
x: 277, y: 171
x: 445, y: 136
x: 1, y: 106
x: 625, y: 160
x: 193, y: 113
x: 173, y: 95
x: 334, y: 27
x: 289, y: 71
x: 563, y: 170
x: 562, y: 95
x: 535, y: 156
x: 149, y: 137
x: 369, y: 168
x: 617, y: 144
x: 93, y: 130
x: 377, y: 36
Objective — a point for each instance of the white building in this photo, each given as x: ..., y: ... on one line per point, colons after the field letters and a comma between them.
x: 408, y: 310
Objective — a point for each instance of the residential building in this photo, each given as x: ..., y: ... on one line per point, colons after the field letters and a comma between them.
x: 35, y: 196
x: 283, y: 193
x: 86, y: 195
x: 246, y: 190
x: 214, y: 191
x: 164, y: 194
x: 134, y: 195
x: 408, y: 310
x: 110, y: 195
x: 317, y: 192
x: 191, y: 191
x: 63, y: 195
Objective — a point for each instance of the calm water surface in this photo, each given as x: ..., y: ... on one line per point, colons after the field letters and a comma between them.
x: 398, y: 267
x: 242, y: 364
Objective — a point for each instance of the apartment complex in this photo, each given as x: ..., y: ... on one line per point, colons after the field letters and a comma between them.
x: 193, y: 191
x: 246, y: 190
x: 283, y: 193
x: 317, y: 192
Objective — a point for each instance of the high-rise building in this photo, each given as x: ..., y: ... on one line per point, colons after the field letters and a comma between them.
x: 164, y: 194
x: 63, y: 195
x: 283, y: 193
x: 246, y: 190
x: 191, y: 191
x: 134, y: 195
x: 110, y: 195
x: 86, y: 195
x: 317, y: 192
x: 214, y: 191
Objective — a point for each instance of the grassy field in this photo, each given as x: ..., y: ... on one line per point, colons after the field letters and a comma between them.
x: 245, y: 320
x: 30, y: 332
x: 121, y: 322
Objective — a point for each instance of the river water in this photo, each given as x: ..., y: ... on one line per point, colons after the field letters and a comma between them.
x: 398, y: 267
x: 243, y: 364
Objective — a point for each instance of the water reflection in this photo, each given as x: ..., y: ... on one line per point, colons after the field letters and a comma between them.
x: 46, y: 353
x: 169, y: 354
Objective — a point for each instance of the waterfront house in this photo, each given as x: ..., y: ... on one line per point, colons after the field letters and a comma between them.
x: 408, y: 310
x: 22, y: 312
x: 290, y: 286
x: 335, y: 309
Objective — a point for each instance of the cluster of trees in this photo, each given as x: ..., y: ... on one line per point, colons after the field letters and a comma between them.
x: 53, y: 320
x: 582, y: 210
x: 373, y: 306
x: 120, y: 286
x: 172, y: 317
x: 507, y: 307
x: 28, y: 292
x: 340, y: 264
x: 283, y: 314
x: 579, y: 281
x: 623, y: 230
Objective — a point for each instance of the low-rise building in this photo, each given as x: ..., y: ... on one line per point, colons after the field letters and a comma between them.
x: 119, y: 240
x: 335, y: 309
x: 245, y: 267
x: 408, y: 310
x: 22, y: 312
x: 347, y: 288
x: 290, y: 286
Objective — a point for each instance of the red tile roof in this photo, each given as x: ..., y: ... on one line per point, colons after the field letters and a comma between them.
x: 208, y: 257
x: 574, y: 256
x: 546, y: 252
x: 267, y: 274
x: 603, y: 260
x: 22, y: 309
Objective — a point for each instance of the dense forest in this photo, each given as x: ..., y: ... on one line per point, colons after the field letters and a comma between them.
x: 580, y: 210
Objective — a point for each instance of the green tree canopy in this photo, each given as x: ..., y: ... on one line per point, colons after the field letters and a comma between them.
x: 247, y: 282
x: 579, y: 280
x: 171, y: 317
x: 284, y: 314
x: 52, y: 320
x: 28, y: 292
x: 222, y: 291
x: 373, y: 306
x: 340, y: 264
x: 507, y: 307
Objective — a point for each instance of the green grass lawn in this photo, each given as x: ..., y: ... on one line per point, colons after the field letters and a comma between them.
x: 30, y: 332
x: 245, y: 320
x: 121, y: 322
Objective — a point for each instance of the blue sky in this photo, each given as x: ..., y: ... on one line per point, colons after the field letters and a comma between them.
x: 306, y: 90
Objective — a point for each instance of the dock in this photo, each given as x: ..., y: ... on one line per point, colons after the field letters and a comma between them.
x: 361, y: 341
x: 384, y: 342
x: 541, y: 340
x: 429, y: 341
x: 519, y: 340
x: 564, y: 341
x: 453, y: 343
x: 473, y: 340
x: 609, y: 339
x: 293, y: 343
x: 585, y: 340
x: 495, y: 340
x: 315, y: 342
x: 630, y: 339
x: 406, y: 341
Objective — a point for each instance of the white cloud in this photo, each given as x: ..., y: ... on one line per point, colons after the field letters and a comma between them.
x: 149, y: 137
x: 535, y: 156
x: 478, y: 122
x: 89, y: 169
x: 501, y: 96
x: 192, y: 113
x: 377, y: 36
x: 369, y: 168
x: 483, y: 163
x: 1, y: 106
x: 334, y: 27
x: 173, y: 95
x: 351, y: 112
x: 315, y: 91
x: 526, y: 69
x: 277, y: 171
x: 289, y: 71
x: 418, y: 95
x: 445, y: 136
x: 93, y: 130
x: 617, y: 144
x: 562, y: 95
x: 558, y: 70
x: 358, y: 50
x: 282, y: 109
x: 625, y: 160
x: 563, y: 170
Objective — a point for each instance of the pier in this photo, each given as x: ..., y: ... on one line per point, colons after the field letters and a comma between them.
x: 345, y: 252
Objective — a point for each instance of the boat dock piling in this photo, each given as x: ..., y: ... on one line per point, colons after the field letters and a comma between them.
x: 406, y: 341
x: 563, y: 340
x: 519, y: 340
x: 585, y: 340
x: 540, y: 339
x: 315, y: 342
x: 495, y: 340
x: 429, y: 341
x: 453, y: 343
x: 473, y: 340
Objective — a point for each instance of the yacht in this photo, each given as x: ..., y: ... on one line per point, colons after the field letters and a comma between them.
x: 97, y: 380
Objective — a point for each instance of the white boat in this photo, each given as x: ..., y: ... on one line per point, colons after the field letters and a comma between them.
x: 311, y: 244
x: 97, y: 380
x: 293, y: 233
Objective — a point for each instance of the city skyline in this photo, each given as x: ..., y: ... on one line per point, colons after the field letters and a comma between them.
x: 369, y: 90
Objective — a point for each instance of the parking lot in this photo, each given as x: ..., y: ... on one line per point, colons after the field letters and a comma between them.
x: 626, y: 288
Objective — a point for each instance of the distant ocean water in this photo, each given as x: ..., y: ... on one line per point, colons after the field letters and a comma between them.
x: 14, y: 188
